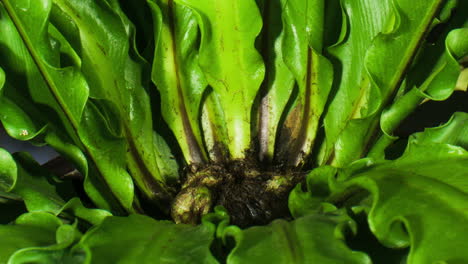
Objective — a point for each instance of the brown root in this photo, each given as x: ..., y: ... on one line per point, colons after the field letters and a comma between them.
x: 251, y: 196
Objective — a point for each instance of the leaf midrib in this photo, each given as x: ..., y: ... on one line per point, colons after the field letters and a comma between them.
x: 394, y: 83
x: 134, y: 150
x: 192, y: 142
x: 40, y: 66
x: 53, y: 89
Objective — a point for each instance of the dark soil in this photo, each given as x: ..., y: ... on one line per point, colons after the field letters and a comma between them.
x: 251, y: 196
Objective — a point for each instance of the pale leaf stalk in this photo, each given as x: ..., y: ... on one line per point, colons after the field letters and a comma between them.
x: 278, y: 83
x: 177, y: 75
x: 302, y: 47
x: 214, y: 132
x: 230, y: 62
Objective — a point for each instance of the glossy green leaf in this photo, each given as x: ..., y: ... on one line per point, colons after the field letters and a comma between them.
x: 76, y: 208
x: 438, y: 85
x: 29, y: 230
x: 315, y: 238
x: 56, y: 252
x: 393, y: 27
x: 24, y: 120
x: 19, y: 115
x: 68, y: 101
x: 17, y: 123
x: 38, y: 59
x: 109, y: 156
x: 37, y: 187
x: 16, y: 237
x: 22, y: 179
x: 358, y: 30
x: 230, y: 62
x: 178, y: 76
x: 43, y: 220
x: 28, y: 183
x: 279, y: 81
x: 235, y: 78
x: 8, y: 171
x: 302, y: 48
x: 140, y: 239
x: 414, y: 196
x: 2, y: 79
x: 454, y: 132
x: 441, y: 53
x: 310, y: 196
x: 67, y: 149
x: 167, y: 161
x: 39, y: 255
x: 433, y: 76
x: 115, y: 73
